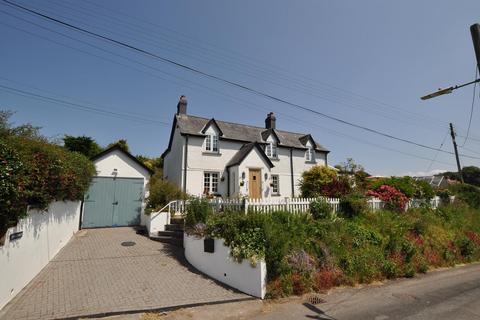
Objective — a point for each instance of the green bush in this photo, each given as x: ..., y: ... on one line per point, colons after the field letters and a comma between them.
x: 320, y: 209
x: 408, y: 186
x: 35, y: 173
x: 161, y: 192
x: 315, y: 179
x: 352, y: 205
x: 468, y: 193
x: 198, y: 211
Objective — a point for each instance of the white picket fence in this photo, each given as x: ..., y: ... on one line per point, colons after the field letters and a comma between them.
x: 294, y: 205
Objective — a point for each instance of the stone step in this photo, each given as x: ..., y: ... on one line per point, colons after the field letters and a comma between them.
x: 174, y: 227
x: 178, y: 242
x: 172, y: 234
x: 177, y: 220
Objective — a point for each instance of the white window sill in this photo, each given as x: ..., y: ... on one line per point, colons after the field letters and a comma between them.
x: 211, y: 153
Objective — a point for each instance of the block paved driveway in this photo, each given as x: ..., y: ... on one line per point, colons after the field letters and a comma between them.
x: 95, y: 275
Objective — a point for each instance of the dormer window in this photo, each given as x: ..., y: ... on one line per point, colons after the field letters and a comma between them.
x: 211, y: 143
x: 271, y: 150
x: 310, y: 155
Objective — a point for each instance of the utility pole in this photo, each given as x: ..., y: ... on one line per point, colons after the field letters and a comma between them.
x: 475, y: 32
x: 452, y: 133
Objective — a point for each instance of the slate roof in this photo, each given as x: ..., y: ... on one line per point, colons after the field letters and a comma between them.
x: 193, y: 125
x: 243, y: 153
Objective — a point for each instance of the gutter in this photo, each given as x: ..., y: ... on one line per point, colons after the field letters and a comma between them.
x: 291, y: 172
x: 185, y: 161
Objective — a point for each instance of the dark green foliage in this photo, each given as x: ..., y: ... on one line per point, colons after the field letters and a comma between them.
x: 198, y: 211
x: 353, y: 204
x: 82, y: 144
x: 154, y: 164
x: 471, y: 175
x: 320, y: 209
x: 161, y: 192
x: 315, y: 179
x: 35, y: 173
x: 122, y: 143
x: 468, y: 193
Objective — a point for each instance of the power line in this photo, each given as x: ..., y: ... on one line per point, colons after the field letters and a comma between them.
x: 303, y: 79
x: 471, y: 108
x: 217, y: 78
x: 231, y: 67
x: 436, y: 154
x: 77, y: 106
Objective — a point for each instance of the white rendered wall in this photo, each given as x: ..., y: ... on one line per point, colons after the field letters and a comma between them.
x: 44, y: 234
x: 199, y: 161
x: 221, y: 266
x: 126, y: 168
x: 156, y: 221
x: 173, y: 161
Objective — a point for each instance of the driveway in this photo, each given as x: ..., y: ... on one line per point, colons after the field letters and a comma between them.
x: 94, y: 274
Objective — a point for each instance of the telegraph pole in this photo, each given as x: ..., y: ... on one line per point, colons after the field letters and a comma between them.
x: 452, y: 133
x: 475, y: 32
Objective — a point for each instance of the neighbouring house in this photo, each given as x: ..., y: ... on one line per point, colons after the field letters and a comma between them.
x: 117, y: 194
x: 218, y: 158
x: 437, y: 181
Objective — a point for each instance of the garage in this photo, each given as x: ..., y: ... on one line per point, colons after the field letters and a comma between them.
x: 116, y: 197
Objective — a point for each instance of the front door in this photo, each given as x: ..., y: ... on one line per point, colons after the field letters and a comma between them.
x: 255, y: 184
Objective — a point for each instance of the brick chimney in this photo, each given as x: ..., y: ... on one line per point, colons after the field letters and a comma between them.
x: 182, y: 105
x: 270, y: 121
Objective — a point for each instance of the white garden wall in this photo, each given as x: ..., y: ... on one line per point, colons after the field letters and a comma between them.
x: 156, y: 221
x: 44, y: 234
x: 221, y: 266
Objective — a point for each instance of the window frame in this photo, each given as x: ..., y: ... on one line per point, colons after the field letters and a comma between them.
x: 275, y: 185
x: 271, y: 150
x: 210, y: 185
x: 212, y: 143
x: 310, y: 155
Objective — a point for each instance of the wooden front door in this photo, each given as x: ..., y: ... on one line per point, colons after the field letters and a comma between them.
x: 255, y: 184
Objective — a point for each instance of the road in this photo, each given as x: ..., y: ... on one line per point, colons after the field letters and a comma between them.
x: 446, y: 294
x: 438, y: 295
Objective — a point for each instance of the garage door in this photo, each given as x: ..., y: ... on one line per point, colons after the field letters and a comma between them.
x: 113, y: 202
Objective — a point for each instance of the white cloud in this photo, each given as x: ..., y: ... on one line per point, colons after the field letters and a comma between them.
x: 423, y: 173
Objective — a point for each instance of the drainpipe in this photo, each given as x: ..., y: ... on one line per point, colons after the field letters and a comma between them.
x: 228, y: 182
x: 185, y: 166
x: 291, y: 172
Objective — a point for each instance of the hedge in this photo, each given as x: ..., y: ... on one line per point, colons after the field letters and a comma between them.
x: 34, y: 173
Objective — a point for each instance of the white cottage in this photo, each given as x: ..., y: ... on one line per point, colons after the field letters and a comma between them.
x: 231, y: 160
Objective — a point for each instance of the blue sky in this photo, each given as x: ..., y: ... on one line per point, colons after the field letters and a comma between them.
x: 366, y: 62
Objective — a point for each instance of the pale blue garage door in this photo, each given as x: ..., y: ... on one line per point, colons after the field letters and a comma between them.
x: 113, y: 202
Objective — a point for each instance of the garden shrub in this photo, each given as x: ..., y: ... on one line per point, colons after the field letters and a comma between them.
x: 352, y: 205
x: 197, y: 211
x: 468, y: 193
x: 337, y: 188
x: 34, y: 173
x: 394, y: 199
x: 314, y: 180
x: 320, y: 209
x: 161, y: 192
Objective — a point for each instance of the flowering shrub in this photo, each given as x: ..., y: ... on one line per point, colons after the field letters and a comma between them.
x: 301, y: 262
x: 336, y: 188
x: 394, y: 199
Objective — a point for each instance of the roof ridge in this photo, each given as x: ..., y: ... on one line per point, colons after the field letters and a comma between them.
x: 242, y: 124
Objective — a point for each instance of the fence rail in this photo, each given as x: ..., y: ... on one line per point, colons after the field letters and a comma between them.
x: 294, y: 205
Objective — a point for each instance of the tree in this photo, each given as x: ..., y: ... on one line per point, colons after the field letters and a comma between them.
x: 122, y: 143
x: 349, y: 167
x: 82, y: 144
x: 151, y: 163
x: 471, y: 175
x: 161, y: 192
x: 315, y: 179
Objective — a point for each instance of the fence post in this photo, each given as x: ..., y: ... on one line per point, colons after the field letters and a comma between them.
x: 245, y: 205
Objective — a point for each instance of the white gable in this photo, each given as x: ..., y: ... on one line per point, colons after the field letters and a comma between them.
x: 124, y: 165
x: 272, y: 138
x: 212, y: 129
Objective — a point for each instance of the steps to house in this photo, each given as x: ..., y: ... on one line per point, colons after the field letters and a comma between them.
x: 173, y: 233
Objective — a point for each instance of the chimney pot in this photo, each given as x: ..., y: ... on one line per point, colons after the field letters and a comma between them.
x: 270, y: 121
x: 182, y: 105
